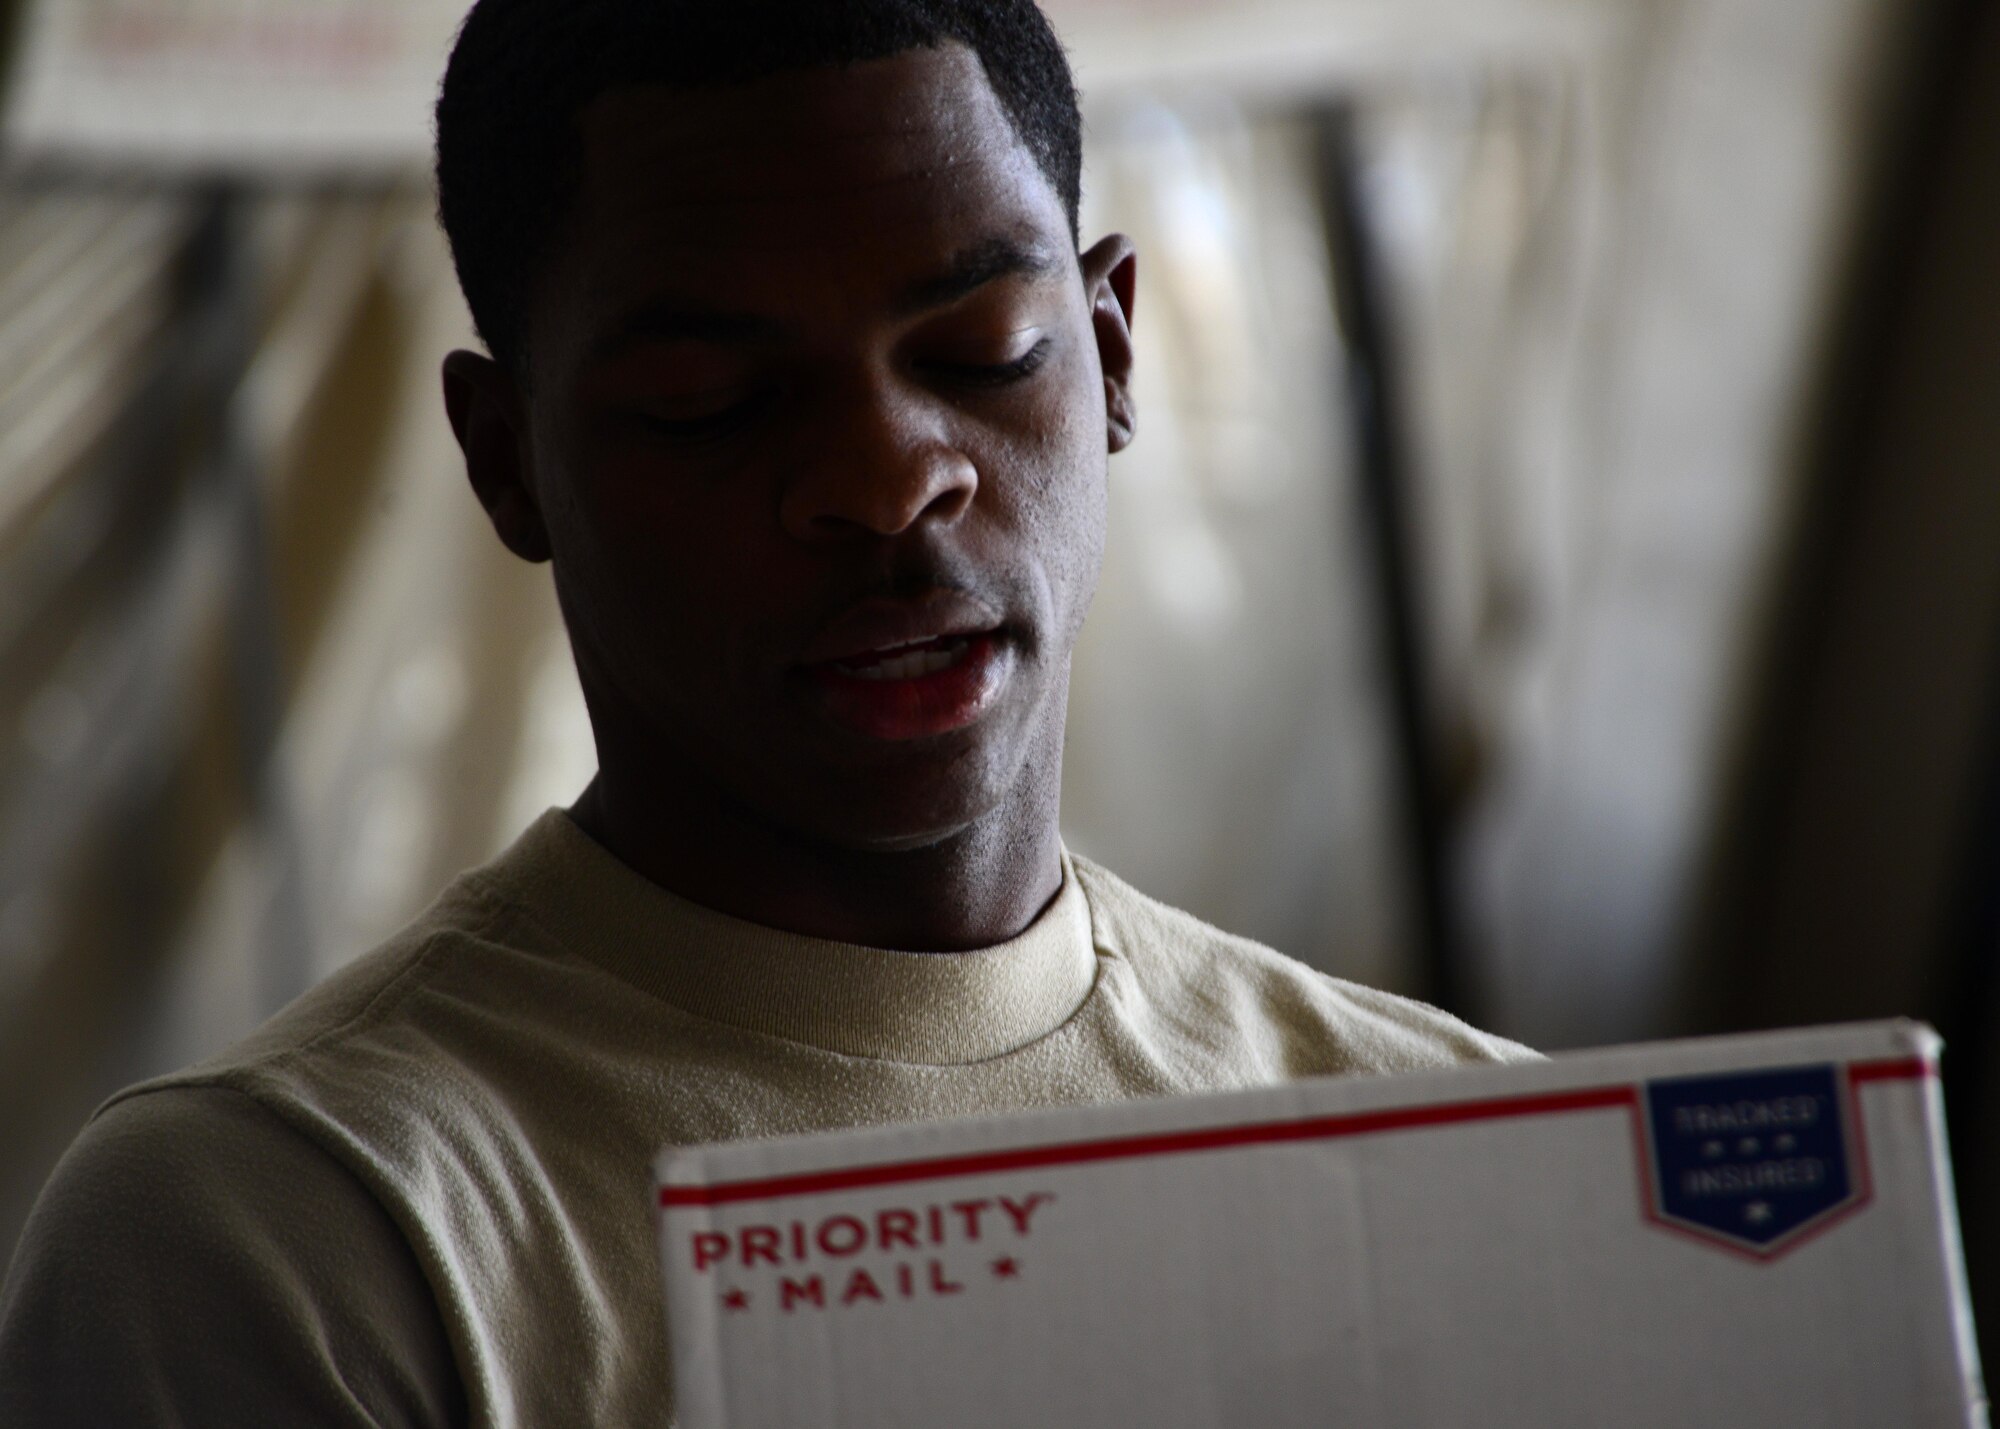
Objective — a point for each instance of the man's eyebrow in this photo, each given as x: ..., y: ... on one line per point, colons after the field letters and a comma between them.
x: 670, y: 321
x: 974, y: 267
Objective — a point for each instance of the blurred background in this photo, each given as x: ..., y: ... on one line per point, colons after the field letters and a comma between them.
x: 1559, y: 575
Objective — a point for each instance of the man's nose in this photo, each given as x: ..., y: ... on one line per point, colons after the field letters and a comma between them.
x: 880, y: 462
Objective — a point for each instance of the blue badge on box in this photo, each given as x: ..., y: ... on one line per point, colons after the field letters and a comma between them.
x: 1752, y: 1160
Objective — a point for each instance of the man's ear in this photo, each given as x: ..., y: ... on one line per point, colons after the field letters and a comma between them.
x: 484, y: 403
x: 1110, y: 277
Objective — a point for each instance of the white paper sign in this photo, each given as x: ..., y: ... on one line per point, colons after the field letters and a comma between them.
x: 308, y: 85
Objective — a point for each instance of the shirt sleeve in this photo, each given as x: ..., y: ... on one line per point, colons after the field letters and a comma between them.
x: 194, y: 1260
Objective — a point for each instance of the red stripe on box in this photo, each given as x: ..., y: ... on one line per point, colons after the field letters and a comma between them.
x: 1126, y: 1148
x: 1899, y: 1069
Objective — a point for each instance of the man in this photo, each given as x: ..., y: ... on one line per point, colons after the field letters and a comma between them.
x: 800, y: 383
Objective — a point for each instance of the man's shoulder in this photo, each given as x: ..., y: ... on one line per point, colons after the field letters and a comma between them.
x: 320, y: 1028
x: 1299, y: 1020
x: 180, y: 1161
x: 194, y: 1259
x: 375, y: 1071
x: 469, y: 948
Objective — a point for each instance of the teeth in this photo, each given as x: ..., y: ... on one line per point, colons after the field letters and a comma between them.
x: 909, y: 667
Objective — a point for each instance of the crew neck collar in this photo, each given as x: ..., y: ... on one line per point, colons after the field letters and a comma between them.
x: 938, y: 1009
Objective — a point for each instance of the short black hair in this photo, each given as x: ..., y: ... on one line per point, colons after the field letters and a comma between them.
x: 508, y: 155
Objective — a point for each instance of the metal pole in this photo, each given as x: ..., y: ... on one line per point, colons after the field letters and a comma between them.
x: 1371, y: 399
x: 224, y: 279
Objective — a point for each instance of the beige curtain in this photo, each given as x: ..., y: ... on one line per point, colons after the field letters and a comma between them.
x: 266, y: 680
x: 270, y: 681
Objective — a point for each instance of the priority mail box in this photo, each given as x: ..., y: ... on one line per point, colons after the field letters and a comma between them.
x: 1749, y: 1231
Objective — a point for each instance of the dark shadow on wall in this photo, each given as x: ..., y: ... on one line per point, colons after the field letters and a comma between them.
x: 1858, y: 875
x: 10, y: 30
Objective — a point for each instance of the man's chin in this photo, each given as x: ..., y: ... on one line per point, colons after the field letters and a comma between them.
x: 878, y: 822
x: 828, y: 783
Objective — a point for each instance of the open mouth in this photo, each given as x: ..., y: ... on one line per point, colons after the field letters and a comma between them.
x: 911, y: 661
x: 914, y: 689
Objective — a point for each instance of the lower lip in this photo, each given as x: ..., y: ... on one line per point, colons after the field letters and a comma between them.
x: 916, y: 708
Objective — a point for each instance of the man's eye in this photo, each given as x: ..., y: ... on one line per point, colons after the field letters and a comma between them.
x: 976, y: 374
x: 707, y: 426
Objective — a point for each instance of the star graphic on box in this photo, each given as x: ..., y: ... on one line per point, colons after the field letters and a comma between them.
x: 1007, y: 1268
x: 736, y: 1300
x: 1757, y: 1212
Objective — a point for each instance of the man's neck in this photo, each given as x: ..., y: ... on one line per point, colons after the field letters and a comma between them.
x: 972, y: 889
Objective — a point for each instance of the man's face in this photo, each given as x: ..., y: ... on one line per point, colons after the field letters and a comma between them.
x: 816, y: 429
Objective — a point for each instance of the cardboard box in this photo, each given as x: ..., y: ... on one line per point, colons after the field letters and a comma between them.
x: 1741, y: 1231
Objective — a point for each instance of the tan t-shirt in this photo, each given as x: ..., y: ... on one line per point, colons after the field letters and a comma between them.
x: 420, y: 1195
